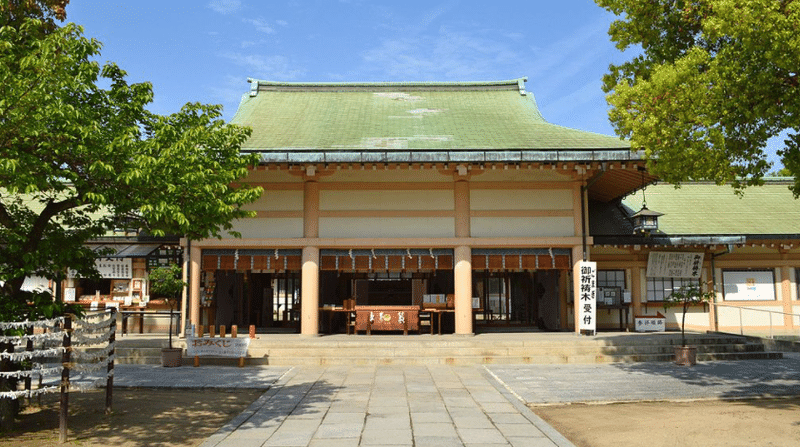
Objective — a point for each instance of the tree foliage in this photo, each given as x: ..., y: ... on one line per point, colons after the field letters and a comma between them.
x: 80, y: 154
x: 165, y: 281
x: 15, y: 12
x: 714, y: 80
x: 684, y: 297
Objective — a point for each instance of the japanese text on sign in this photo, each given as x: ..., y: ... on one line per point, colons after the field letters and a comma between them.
x: 650, y: 324
x: 662, y: 264
x: 119, y: 268
x: 587, y: 296
x: 217, y: 347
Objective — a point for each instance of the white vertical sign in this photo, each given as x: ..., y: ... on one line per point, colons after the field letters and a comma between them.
x: 587, y: 296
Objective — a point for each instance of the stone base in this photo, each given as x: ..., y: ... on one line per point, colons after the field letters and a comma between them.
x: 685, y: 355
x: 171, y: 358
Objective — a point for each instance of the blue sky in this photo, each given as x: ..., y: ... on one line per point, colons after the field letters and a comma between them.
x: 204, y: 50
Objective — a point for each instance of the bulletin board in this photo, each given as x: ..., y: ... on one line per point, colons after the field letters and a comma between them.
x: 749, y: 285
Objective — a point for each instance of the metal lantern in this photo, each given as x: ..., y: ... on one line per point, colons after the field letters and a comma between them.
x: 646, y: 221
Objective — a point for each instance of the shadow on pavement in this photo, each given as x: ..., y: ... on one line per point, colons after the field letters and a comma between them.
x: 743, y: 379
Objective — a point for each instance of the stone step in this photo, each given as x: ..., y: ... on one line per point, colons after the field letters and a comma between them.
x: 401, y: 350
x: 460, y: 360
x: 502, y: 348
x: 460, y: 357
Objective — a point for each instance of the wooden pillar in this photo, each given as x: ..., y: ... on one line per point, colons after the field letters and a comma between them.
x: 184, y: 311
x: 786, y: 294
x: 195, y: 255
x: 462, y: 208
x: 309, y: 306
x: 462, y: 270
x: 311, y: 209
x: 636, y: 291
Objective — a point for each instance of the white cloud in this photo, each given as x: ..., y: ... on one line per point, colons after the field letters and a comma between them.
x: 261, y: 25
x: 277, y: 68
x: 225, y: 6
x: 447, y: 55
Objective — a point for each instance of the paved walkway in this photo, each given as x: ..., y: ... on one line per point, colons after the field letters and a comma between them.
x: 448, y: 405
x: 653, y: 381
x: 437, y: 406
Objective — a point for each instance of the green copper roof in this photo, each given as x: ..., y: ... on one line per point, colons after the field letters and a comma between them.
x: 405, y: 116
x: 708, y: 209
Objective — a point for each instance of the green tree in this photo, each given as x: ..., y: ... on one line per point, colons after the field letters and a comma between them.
x: 713, y: 81
x: 167, y: 282
x: 80, y: 154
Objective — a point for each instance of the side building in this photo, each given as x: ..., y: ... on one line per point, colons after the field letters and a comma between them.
x: 749, y: 245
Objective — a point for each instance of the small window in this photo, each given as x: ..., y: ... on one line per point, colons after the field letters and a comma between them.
x: 611, y: 278
x: 660, y: 288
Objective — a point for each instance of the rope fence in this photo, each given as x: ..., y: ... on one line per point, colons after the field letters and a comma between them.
x: 83, y: 345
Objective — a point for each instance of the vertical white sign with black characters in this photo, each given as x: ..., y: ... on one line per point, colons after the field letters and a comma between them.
x: 587, y: 297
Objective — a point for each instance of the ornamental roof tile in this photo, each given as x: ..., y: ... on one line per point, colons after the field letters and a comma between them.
x: 405, y: 116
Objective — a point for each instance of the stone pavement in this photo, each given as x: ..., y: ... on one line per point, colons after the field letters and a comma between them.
x: 441, y: 405
x: 437, y: 406
x: 653, y: 381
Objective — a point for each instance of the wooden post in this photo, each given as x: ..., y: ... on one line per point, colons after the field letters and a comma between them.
x: 222, y: 331
x: 29, y: 348
x: 200, y: 335
x: 65, y: 359
x: 252, y: 331
x: 211, y: 331
x: 234, y: 334
x: 110, y: 371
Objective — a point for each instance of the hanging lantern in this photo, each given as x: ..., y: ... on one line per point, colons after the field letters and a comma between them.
x: 646, y: 220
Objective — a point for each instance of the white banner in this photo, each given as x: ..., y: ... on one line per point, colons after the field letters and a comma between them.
x: 587, y: 297
x: 115, y: 268
x: 664, y: 264
x: 217, y: 346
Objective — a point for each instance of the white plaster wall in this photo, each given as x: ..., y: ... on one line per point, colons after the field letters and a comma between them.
x: 730, y: 316
x: 521, y: 175
x: 386, y: 200
x: 520, y: 199
x: 258, y: 228
x: 386, y: 175
x: 522, y: 227
x: 363, y: 227
x: 274, y: 176
x: 610, y: 320
x: 277, y: 201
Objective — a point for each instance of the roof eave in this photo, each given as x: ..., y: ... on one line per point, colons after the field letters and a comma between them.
x: 315, y: 155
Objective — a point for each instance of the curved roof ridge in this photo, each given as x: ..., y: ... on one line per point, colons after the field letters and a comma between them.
x: 257, y: 85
